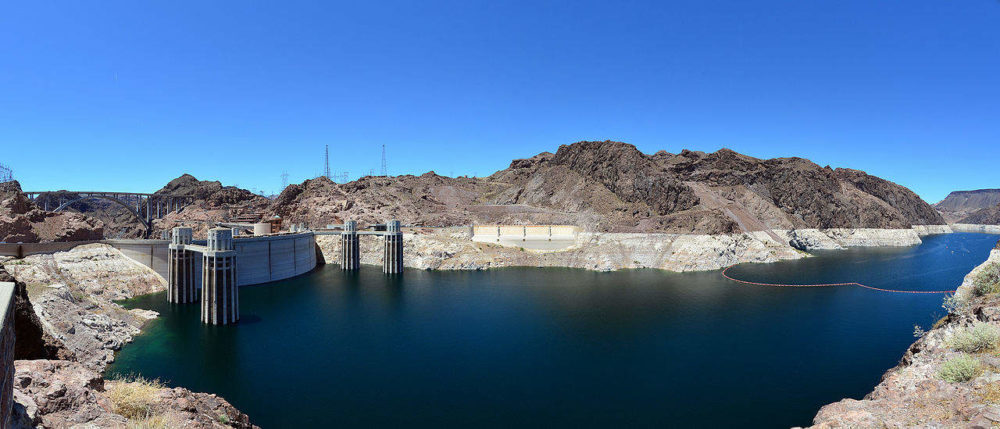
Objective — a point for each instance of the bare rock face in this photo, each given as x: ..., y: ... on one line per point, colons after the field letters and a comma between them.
x: 986, y: 216
x: 211, y: 193
x: 613, y: 187
x: 32, y: 340
x: 22, y: 221
x: 960, y: 204
x: 74, y: 294
x: 16, y: 229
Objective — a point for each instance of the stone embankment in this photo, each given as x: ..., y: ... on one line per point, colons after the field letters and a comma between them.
x: 949, y: 377
x: 453, y: 249
x: 67, y: 314
x: 968, y: 227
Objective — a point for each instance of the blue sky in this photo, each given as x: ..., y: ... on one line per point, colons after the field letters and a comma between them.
x: 126, y: 95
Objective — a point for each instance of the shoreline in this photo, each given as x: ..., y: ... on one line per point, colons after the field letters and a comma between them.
x: 453, y: 248
x: 913, y: 392
x: 96, y: 329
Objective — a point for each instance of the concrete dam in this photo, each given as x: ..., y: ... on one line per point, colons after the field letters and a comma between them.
x: 211, y: 271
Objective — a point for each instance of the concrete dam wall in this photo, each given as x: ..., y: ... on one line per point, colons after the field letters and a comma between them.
x: 258, y: 259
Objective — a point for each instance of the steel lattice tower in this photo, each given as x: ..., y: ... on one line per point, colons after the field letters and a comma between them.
x: 385, y: 171
x: 326, y: 163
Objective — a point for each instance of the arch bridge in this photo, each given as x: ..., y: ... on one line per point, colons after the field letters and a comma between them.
x: 144, y: 207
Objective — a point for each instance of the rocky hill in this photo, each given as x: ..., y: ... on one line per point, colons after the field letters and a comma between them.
x: 213, y: 202
x: 986, y: 216
x: 22, y: 221
x: 613, y: 187
x: 960, y: 204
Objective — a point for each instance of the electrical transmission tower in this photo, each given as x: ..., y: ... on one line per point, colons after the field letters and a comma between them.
x: 385, y: 171
x: 326, y: 163
x: 6, y: 175
x: 284, y: 180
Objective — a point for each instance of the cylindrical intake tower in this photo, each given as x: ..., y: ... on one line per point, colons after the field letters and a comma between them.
x: 392, y: 258
x: 220, y: 302
x: 181, y: 287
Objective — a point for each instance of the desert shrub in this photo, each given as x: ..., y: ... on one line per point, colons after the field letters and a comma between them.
x: 976, y: 338
x: 224, y: 419
x: 158, y: 421
x: 987, y: 281
x: 959, y: 369
x: 133, y: 397
x: 954, y: 304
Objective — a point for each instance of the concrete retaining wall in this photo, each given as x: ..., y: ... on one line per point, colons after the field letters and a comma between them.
x: 534, y: 237
x: 6, y: 351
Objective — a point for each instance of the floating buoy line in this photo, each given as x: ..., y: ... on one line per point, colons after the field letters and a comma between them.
x: 726, y: 275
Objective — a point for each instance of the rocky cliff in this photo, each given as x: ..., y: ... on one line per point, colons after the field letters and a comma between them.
x: 22, y: 221
x: 68, y: 328
x: 213, y: 202
x: 986, y: 216
x: 960, y: 204
x: 949, y: 377
x: 613, y: 187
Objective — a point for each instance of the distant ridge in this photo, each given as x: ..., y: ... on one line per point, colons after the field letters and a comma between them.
x: 960, y: 204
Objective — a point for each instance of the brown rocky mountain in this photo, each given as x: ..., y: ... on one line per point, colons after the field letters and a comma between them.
x: 22, y: 221
x: 612, y: 186
x: 960, y: 204
x: 213, y: 202
x: 986, y: 216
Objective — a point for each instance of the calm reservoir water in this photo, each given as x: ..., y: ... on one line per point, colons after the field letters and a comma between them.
x: 558, y: 347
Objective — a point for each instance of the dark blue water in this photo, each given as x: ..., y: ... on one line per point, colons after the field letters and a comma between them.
x: 558, y: 347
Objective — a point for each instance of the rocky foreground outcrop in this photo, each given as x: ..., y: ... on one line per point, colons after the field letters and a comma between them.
x: 613, y: 187
x: 68, y: 328
x: 63, y: 394
x: 950, y: 377
x: 22, y: 221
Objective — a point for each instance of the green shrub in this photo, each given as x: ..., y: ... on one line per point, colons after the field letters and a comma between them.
x: 976, y: 338
x: 224, y: 419
x: 959, y: 369
x: 987, y: 281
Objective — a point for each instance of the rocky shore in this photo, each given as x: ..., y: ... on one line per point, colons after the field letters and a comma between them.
x: 453, y: 249
x: 68, y: 328
x: 949, y: 377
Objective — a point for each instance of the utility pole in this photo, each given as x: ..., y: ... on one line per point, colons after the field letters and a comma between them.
x: 284, y: 181
x: 385, y: 171
x: 326, y: 165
